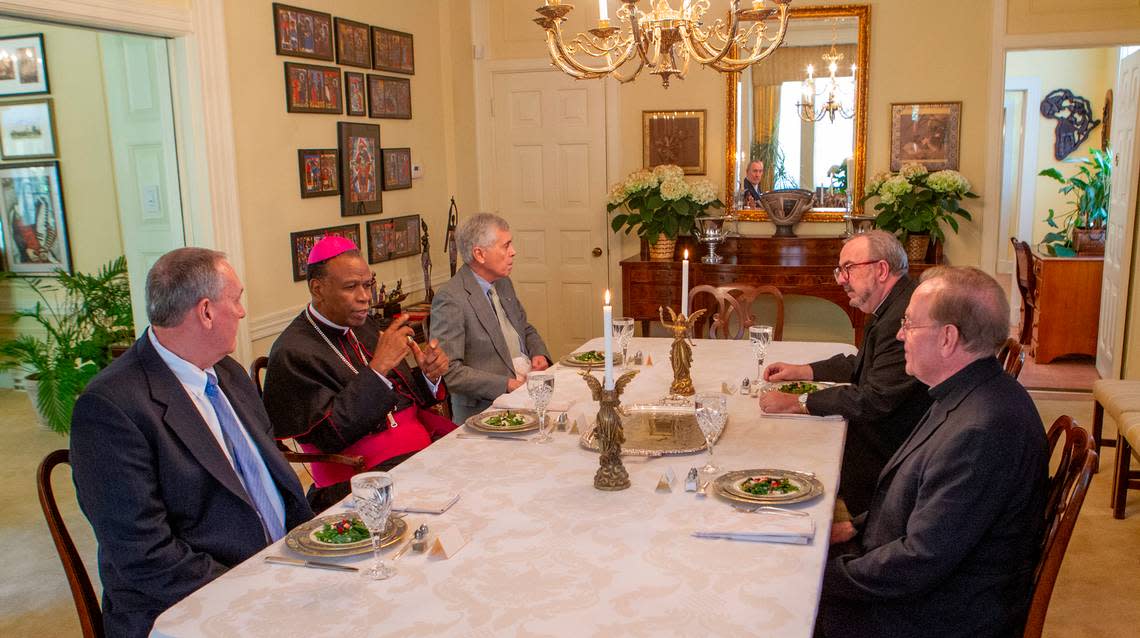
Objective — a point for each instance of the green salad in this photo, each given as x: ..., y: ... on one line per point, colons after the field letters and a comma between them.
x: 346, y: 530
x: 590, y: 356
x: 799, y: 387
x: 765, y: 485
x: 505, y: 420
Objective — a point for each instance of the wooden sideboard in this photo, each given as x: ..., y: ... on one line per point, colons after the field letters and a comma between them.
x: 1067, y: 308
x: 795, y: 265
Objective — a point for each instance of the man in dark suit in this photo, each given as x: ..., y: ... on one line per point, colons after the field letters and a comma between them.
x: 950, y: 543
x: 750, y: 189
x: 882, y: 402
x: 480, y: 323
x: 172, y: 453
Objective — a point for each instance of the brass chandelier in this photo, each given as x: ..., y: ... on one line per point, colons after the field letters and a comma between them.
x: 833, y: 105
x: 664, y: 39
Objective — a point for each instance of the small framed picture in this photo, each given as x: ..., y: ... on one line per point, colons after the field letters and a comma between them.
x: 301, y: 242
x: 23, y: 65
x: 674, y: 137
x: 393, y: 51
x: 27, y: 129
x: 925, y: 133
x: 359, y: 146
x: 389, y: 97
x: 393, y: 238
x: 312, y: 89
x: 319, y: 172
x: 302, y: 33
x: 34, y: 225
x: 397, y: 168
x: 354, y: 93
x: 352, y: 45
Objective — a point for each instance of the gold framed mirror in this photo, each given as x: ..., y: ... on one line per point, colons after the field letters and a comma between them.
x: 767, y: 116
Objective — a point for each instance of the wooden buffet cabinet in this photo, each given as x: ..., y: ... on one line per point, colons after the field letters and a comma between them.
x: 1067, y: 305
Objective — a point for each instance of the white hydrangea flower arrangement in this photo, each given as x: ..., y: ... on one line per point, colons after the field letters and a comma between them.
x: 660, y: 202
x: 916, y: 201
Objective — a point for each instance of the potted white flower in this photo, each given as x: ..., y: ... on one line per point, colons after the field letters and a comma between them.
x: 914, y: 204
x: 660, y: 204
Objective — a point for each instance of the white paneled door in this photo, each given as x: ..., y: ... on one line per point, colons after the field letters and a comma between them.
x: 549, y: 183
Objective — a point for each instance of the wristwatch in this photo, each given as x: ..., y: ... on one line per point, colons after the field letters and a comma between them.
x: 803, y: 402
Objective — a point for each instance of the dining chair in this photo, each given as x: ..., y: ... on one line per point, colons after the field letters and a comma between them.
x: 86, y: 604
x: 1027, y: 285
x: 1012, y: 357
x: 730, y: 310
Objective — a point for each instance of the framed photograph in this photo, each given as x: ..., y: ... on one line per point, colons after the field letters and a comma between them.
x: 925, y: 133
x: 302, y: 33
x: 359, y: 146
x: 393, y: 51
x: 355, y: 94
x: 27, y: 129
x: 397, y: 168
x: 319, y: 172
x: 312, y: 89
x: 393, y: 238
x: 34, y: 226
x: 674, y: 137
x: 23, y: 65
x: 389, y: 97
x: 301, y: 242
x: 352, y: 45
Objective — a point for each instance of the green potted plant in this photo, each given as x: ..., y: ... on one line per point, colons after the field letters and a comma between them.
x: 80, y: 318
x: 915, y: 204
x: 660, y: 204
x: 1081, y: 229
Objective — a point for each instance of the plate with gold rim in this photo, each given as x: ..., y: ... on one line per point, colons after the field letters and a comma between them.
x: 805, y: 487
x: 588, y: 359
x: 504, y: 421
x: 303, y: 540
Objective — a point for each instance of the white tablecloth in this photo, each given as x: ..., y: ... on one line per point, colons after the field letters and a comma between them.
x: 549, y: 555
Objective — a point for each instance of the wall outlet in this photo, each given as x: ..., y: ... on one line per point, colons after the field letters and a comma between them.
x: 417, y: 171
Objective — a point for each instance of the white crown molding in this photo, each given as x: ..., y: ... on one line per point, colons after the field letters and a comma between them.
x: 119, y: 15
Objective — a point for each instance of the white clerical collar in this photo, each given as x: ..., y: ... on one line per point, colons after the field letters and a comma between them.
x: 325, y: 321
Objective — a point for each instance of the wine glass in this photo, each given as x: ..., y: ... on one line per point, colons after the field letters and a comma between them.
x: 372, y: 492
x: 712, y: 412
x: 623, y: 332
x: 760, y: 336
x: 540, y: 385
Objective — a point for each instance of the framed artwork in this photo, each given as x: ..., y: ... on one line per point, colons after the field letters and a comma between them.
x: 302, y: 33
x: 397, y: 168
x: 352, y: 45
x: 393, y: 238
x: 389, y: 97
x: 925, y: 133
x: 23, y: 65
x: 393, y: 51
x: 34, y: 225
x: 319, y: 172
x: 674, y: 137
x: 301, y: 242
x: 27, y: 129
x: 359, y: 146
x: 354, y: 93
x: 312, y: 89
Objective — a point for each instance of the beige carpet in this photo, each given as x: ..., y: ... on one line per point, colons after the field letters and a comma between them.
x: 1098, y: 592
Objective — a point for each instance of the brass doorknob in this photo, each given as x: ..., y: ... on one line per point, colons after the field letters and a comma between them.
x: 597, y: 251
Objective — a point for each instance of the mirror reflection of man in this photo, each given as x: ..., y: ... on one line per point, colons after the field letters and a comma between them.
x: 751, y: 187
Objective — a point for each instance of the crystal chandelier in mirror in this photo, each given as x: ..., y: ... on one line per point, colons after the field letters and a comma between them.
x: 664, y: 39
x: 833, y: 105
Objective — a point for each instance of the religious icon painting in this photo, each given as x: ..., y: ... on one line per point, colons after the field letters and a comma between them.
x: 353, y: 47
x: 393, y: 51
x: 389, y: 97
x: 319, y: 172
x: 33, y: 224
x: 301, y: 242
x: 359, y: 146
x: 397, y: 168
x: 354, y: 93
x: 310, y: 88
x: 302, y: 33
x: 393, y: 238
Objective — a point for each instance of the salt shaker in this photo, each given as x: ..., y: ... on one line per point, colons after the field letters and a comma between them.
x: 420, y: 536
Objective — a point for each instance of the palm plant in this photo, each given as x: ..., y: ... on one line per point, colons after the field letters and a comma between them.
x: 1093, y: 181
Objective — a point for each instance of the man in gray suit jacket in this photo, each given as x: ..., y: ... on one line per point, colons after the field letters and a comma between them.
x: 479, y: 322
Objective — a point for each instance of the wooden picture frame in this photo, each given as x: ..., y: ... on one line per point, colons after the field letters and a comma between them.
x: 393, y: 238
x: 23, y: 65
x: 311, y: 88
x: 301, y: 242
x: 355, y: 94
x: 389, y: 97
x: 674, y: 137
x: 393, y: 51
x: 27, y: 129
x: 318, y: 171
x: 34, y: 224
x: 302, y: 33
x: 360, y: 185
x: 353, y: 43
x: 397, y: 168
x: 925, y: 133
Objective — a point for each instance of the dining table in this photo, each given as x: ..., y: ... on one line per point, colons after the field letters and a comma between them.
x: 534, y: 549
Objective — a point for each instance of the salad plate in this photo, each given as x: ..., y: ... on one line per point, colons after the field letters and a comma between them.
x: 588, y: 359
x: 800, y: 387
x: 304, y: 539
x: 767, y: 486
x: 503, y: 421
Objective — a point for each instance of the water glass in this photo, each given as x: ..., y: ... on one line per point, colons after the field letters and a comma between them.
x: 623, y: 331
x: 540, y: 385
x: 712, y: 413
x: 372, y: 493
x: 760, y: 336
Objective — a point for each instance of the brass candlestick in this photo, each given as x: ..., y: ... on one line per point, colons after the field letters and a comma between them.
x: 611, y: 474
x: 681, y: 353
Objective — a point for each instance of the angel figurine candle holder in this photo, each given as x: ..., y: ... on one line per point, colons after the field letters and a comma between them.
x: 681, y: 352
x: 611, y: 475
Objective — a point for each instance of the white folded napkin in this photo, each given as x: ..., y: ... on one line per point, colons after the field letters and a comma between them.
x: 522, y: 401
x: 762, y: 527
x: 423, y: 501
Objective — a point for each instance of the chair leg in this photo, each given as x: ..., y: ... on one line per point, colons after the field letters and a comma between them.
x: 1097, y: 431
x: 1026, y: 324
x: 1120, y: 476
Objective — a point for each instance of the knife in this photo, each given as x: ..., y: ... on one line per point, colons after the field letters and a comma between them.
x: 499, y: 437
x: 315, y: 564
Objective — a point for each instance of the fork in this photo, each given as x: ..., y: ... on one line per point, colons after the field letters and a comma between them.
x: 768, y: 509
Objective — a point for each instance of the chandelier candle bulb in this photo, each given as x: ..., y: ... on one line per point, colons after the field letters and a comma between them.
x: 685, y: 284
x: 608, y: 337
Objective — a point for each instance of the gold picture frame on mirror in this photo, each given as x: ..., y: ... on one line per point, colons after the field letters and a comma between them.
x: 674, y: 137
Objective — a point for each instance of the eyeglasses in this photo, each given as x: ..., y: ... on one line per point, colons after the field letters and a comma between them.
x: 844, y: 271
x: 905, y: 325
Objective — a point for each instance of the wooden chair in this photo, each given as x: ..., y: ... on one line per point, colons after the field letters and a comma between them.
x: 733, y: 300
x: 294, y: 456
x: 1027, y: 285
x: 1012, y: 357
x: 86, y: 604
x: 1068, y: 487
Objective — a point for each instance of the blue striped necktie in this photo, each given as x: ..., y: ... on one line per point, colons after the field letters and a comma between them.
x: 247, y: 461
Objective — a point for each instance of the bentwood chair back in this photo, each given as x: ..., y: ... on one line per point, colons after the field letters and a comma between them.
x: 1012, y: 357
x: 86, y: 604
x: 1027, y: 285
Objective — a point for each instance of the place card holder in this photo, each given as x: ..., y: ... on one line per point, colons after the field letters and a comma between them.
x: 665, y: 483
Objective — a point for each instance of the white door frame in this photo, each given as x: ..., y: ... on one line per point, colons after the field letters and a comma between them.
x: 203, y: 116
x: 1030, y: 130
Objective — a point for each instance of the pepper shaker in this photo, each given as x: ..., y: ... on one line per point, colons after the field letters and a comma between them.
x: 419, y: 545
